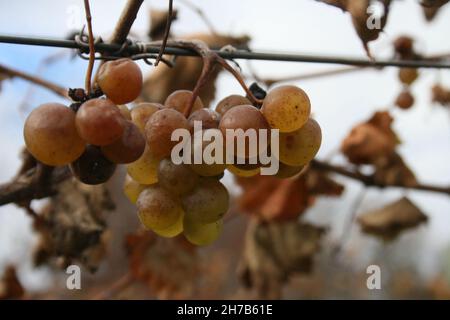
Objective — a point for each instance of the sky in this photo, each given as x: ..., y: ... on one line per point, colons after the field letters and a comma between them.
x: 338, y: 102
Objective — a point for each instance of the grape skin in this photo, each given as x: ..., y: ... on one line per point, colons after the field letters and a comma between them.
x: 120, y: 80
x: 172, y: 231
x: 299, y: 147
x: 179, y: 100
x: 128, y: 148
x: 201, y: 234
x: 51, y: 136
x: 208, y: 202
x: 157, y: 208
x: 286, y: 108
x: 99, y: 122
x: 145, y: 169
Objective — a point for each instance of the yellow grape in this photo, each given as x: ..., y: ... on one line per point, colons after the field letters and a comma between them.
x: 231, y: 101
x: 242, y: 171
x: 286, y: 108
x: 132, y: 189
x: 173, y: 230
x: 157, y: 208
x: 201, y: 234
x: 286, y: 171
x: 145, y: 169
x: 299, y: 147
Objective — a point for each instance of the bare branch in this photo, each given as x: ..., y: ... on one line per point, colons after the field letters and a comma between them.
x: 126, y: 20
x: 91, y: 47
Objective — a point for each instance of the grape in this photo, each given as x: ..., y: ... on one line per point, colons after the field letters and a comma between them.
x: 128, y: 148
x: 286, y: 108
x: 173, y: 230
x: 159, y: 128
x: 142, y: 112
x: 126, y: 113
x: 99, y: 122
x: 285, y: 171
x: 132, y: 189
x: 92, y: 167
x: 120, y: 80
x: 299, y: 147
x: 201, y: 234
x: 408, y: 75
x: 50, y: 135
x: 209, y: 119
x: 231, y: 101
x: 208, y: 202
x: 145, y: 169
x: 157, y: 208
x: 205, y: 169
x: 179, y: 100
x: 244, y: 117
x: 405, y: 100
x: 243, y: 171
x: 178, y: 179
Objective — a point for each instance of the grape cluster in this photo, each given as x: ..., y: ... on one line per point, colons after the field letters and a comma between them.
x: 171, y: 198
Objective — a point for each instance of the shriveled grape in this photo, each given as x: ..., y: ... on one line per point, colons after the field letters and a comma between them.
x: 208, y: 202
x: 142, y: 112
x: 231, y: 101
x: 51, y: 136
x: 145, y: 169
x: 132, y: 189
x: 159, y: 128
x: 128, y: 148
x: 120, y: 80
x: 286, y: 108
x: 99, y: 122
x: 201, y: 234
x: 177, y: 178
x: 157, y: 208
x: 179, y: 100
x: 299, y: 147
x: 92, y: 167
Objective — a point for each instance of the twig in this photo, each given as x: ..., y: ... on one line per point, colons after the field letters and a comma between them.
x: 166, y: 33
x: 369, y: 180
x: 126, y: 20
x: 61, y: 91
x: 91, y: 47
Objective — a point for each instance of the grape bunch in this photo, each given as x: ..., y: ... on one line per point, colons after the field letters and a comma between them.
x: 171, y: 197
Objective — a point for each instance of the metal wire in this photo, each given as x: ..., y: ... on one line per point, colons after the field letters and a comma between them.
x: 136, y: 48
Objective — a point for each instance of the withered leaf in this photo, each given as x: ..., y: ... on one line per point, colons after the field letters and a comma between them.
x: 393, y: 170
x: 158, y: 20
x: 389, y: 221
x: 275, y: 251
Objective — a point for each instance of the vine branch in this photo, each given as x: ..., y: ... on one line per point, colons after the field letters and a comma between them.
x: 87, y: 9
x: 166, y: 33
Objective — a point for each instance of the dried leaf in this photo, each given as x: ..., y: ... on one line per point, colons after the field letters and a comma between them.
x: 275, y: 251
x: 10, y: 286
x: 389, y: 221
x: 393, y: 170
x: 158, y: 20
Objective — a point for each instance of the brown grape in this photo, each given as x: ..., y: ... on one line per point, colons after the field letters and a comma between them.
x: 299, y: 147
x: 208, y: 202
x: 120, y: 80
x: 92, y: 167
x: 408, y: 75
x: 51, y: 136
x: 231, y: 101
x: 142, y: 112
x: 286, y: 108
x: 177, y: 178
x: 179, y: 100
x: 126, y: 113
x: 209, y: 119
x: 99, y: 122
x: 157, y: 208
x: 159, y: 128
x: 405, y: 100
x: 244, y: 117
x: 128, y: 148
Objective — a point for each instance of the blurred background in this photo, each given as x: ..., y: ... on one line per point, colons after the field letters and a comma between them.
x: 416, y: 264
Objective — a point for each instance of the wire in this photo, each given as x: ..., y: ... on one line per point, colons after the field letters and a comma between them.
x: 138, y: 48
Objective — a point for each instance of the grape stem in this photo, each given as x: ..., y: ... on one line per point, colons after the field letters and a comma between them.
x: 210, y: 60
x: 166, y: 33
x: 87, y: 9
x: 12, y: 73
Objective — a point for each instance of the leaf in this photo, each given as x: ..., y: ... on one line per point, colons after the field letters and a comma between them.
x: 389, y: 221
x: 73, y: 224
x: 393, y: 170
x: 275, y: 251
x: 158, y: 20
x: 164, y: 80
x: 10, y: 286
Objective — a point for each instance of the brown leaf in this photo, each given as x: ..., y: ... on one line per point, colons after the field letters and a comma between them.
x: 389, y: 221
x: 10, y: 286
x: 158, y: 20
x: 393, y: 170
x: 275, y: 251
